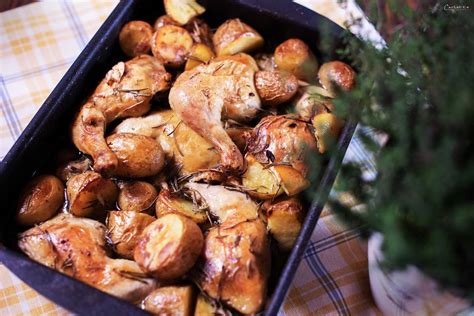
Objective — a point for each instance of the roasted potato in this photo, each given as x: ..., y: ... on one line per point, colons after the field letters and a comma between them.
x: 282, y: 139
x: 200, y: 54
x: 266, y: 61
x: 168, y: 203
x: 124, y: 228
x: 169, y: 246
x: 135, y: 37
x: 170, y: 301
x: 189, y: 151
x: 261, y: 181
x: 236, y: 264
x: 295, y: 56
x: 137, y: 196
x: 336, y: 73
x: 327, y: 128
x: 313, y: 100
x: 284, y: 221
x: 171, y: 45
x: 89, y: 194
x: 200, y: 31
x: 69, y: 169
x: 275, y: 87
x: 234, y: 36
x: 76, y: 246
x: 268, y: 182
x: 40, y: 200
x: 240, y: 57
x: 182, y: 11
x: 138, y: 156
x: 229, y: 206
x: 164, y: 20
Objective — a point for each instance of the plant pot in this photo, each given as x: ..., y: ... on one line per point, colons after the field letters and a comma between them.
x: 407, y: 292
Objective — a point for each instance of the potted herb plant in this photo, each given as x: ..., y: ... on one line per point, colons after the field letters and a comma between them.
x: 418, y: 210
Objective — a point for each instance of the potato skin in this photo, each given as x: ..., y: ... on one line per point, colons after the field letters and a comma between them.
x: 40, y: 200
x: 124, y: 229
x: 168, y: 203
x: 69, y: 169
x: 134, y: 38
x: 234, y: 36
x: 169, y: 246
x: 170, y: 300
x: 235, y: 265
x: 295, y: 56
x: 312, y: 101
x: 327, y: 128
x: 282, y: 139
x: 138, y: 196
x: 336, y: 73
x: 284, y: 221
x: 89, y: 194
x: 138, y: 156
x: 171, y: 44
x: 164, y: 20
x: 275, y: 87
x: 200, y: 31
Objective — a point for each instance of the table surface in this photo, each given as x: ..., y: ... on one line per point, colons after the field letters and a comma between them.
x: 38, y: 43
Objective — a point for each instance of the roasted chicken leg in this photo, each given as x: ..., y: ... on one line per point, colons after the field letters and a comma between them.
x: 126, y: 91
x: 222, y: 89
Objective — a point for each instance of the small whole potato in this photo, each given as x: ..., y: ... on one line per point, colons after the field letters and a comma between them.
x: 138, y: 156
x: 89, y: 194
x: 170, y: 300
x: 134, y: 38
x: 138, y: 196
x: 124, y: 229
x: 164, y: 20
x: 295, y: 56
x: 336, y: 73
x: 275, y: 87
x: 171, y: 44
x: 234, y: 36
x: 41, y: 200
x: 169, y: 246
x: 327, y: 128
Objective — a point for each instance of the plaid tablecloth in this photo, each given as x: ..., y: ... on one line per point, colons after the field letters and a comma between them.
x: 38, y: 43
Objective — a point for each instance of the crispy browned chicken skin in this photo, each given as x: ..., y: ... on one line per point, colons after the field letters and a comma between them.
x: 126, y: 91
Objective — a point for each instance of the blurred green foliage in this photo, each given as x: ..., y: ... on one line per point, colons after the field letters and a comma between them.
x: 420, y: 93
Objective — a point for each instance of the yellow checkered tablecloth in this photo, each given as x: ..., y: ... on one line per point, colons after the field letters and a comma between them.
x: 38, y: 43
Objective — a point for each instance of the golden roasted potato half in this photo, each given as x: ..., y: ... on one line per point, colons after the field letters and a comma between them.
x: 90, y: 195
x: 124, y: 229
x: 200, y: 54
x: 138, y: 156
x: 336, y: 73
x: 295, y: 56
x: 327, y: 128
x: 236, y: 264
x: 169, y: 246
x: 168, y: 203
x: 275, y: 87
x: 69, y: 169
x: 175, y: 300
x: 313, y: 100
x: 135, y: 37
x: 270, y: 181
x: 40, y: 200
x: 284, y: 221
x: 261, y: 181
x: 234, y: 36
x: 182, y: 11
x: 171, y: 44
x: 164, y: 20
x: 282, y: 139
x: 138, y: 196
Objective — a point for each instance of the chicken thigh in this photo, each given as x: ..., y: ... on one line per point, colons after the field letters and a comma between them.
x: 126, y: 91
x: 76, y: 246
x: 222, y: 89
